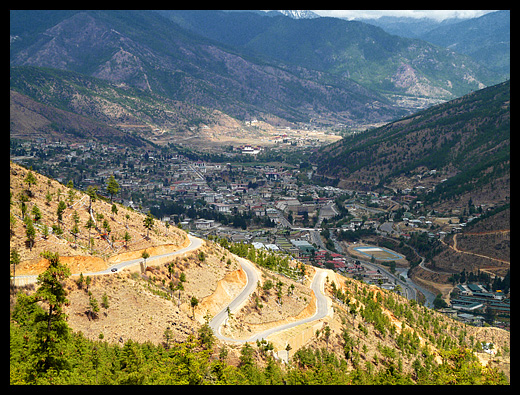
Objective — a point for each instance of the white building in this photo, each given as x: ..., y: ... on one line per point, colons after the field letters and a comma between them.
x: 222, y: 207
x: 250, y: 150
x: 204, y: 224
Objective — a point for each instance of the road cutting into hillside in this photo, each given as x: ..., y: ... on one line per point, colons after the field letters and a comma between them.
x: 195, y: 243
x: 317, y: 287
x: 454, y: 247
x: 252, y: 276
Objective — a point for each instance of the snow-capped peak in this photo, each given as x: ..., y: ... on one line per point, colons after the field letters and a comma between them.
x: 299, y: 14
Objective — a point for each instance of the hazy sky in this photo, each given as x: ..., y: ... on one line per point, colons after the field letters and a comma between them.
x: 434, y: 14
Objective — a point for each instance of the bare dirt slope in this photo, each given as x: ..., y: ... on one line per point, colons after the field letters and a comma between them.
x: 81, y: 258
x: 142, y: 307
x: 265, y: 309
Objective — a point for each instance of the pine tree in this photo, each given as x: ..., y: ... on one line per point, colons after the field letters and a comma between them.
x: 71, y: 192
x: 30, y: 232
x: 37, y: 214
x: 104, y: 301
x: 112, y: 187
x: 61, y: 208
x: 52, y: 331
x: 30, y: 179
x: 12, y: 224
x: 127, y: 238
x: 148, y: 223
x: 91, y: 192
x: 23, y: 208
x: 94, y: 307
x: 89, y: 225
x: 194, y: 303
x: 288, y: 348
x: 15, y: 260
x: 145, y: 255
x: 75, y: 231
x: 114, y: 209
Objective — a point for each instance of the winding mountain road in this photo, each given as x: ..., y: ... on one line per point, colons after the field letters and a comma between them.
x: 317, y: 287
x: 236, y: 304
x: 252, y: 278
x: 195, y: 243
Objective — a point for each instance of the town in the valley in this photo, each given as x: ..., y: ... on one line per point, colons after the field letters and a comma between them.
x: 247, y: 194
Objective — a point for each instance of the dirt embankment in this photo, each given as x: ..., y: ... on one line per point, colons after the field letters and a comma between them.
x: 84, y: 264
x: 433, y: 282
x: 153, y: 251
x: 265, y: 309
x: 77, y: 264
x: 227, y: 289
x: 142, y: 306
x: 306, y: 312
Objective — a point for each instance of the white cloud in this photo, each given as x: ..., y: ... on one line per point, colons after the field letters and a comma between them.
x: 433, y: 14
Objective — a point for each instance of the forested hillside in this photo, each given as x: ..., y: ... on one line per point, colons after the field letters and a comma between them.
x: 382, y: 340
x: 75, y: 223
x: 346, y: 50
x: 467, y: 138
x: 52, y: 103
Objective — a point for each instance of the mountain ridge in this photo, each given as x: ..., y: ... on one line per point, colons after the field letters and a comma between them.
x: 345, y: 49
x: 128, y: 113
x: 30, y: 119
x: 467, y: 139
x: 486, y: 39
x: 154, y: 51
x: 180, y: 65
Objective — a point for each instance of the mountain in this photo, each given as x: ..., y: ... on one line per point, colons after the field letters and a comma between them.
x: 32, y: 120
x: 486, y: 39
x: 299, y: 14
x: 409, y: 72
x: 483, y: 244
x: 371, y: 57
x: 144, y: 50
x: 71, y: 107
x: 407, y: 26
x: 466, y: 141
x: 248, y: 65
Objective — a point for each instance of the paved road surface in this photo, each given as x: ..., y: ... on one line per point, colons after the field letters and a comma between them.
x: 195, y: 243
x: 234, y: 306
x: 316, y: 286
x: 321, y: 310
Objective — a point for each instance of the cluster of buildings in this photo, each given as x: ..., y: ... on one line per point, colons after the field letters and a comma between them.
x: 284, y: 213
x: 474, y: 304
